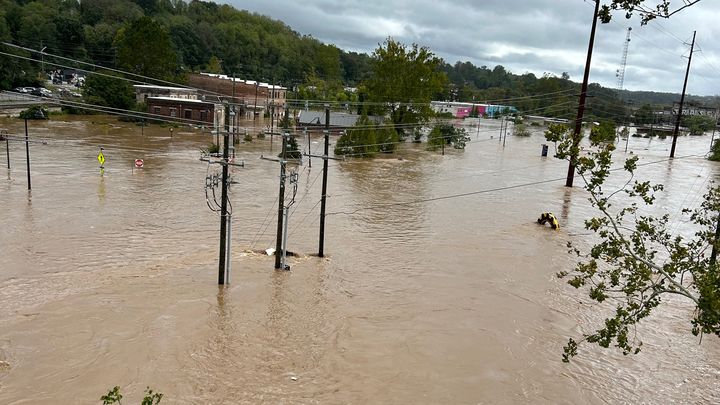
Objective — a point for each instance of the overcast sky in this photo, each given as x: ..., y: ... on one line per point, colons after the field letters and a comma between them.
x: 523, y: 35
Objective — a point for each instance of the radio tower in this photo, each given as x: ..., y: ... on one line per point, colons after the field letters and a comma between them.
x: 621, y: 71
x: 620, y: 81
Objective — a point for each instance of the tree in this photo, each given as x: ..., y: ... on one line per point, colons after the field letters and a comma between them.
x: 359, y: 141
x: 603, y: 132
x: 521, y: 129
x: 114, y: 396
x: 109, y: 91
x: 647, y: 13
x: 386, y: 137
x: 403, y: 83
x: 145, y: 48
x: 213, y: 65
x: 645, y: 114
x: 698, y: 124
x: 447, y: 134
x: 638, y: 261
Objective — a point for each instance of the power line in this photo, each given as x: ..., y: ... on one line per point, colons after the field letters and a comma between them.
x: 460, y: 195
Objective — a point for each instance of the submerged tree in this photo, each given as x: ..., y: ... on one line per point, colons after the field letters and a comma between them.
x: 447, y: 134
x: 638, y: 261
x: 404, y: 81
x: 358, y: 141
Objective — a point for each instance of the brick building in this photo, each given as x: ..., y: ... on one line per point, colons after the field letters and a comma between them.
x: 251, y: 96
x: 188, y: 111
x: 144, y: 91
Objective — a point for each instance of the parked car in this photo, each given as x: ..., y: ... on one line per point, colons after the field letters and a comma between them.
x: 23, y: 89
x: 67, y: 93
x: 42, y: 92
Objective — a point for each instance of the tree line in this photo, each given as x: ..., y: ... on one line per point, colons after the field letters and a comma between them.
x: 167, y: 39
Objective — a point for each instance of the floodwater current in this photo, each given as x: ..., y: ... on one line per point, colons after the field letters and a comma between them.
x: 437, y: 286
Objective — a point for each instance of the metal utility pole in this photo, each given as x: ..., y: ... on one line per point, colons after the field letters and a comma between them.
x: 223, y: 259
x: 281, y: 205
x: 583, y: 95
x: 286, y: 211
x: 211, y: 183
x: 321, y: 245
x: 682, y: 99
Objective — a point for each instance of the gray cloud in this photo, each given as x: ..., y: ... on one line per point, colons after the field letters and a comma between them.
x: 524, y: 36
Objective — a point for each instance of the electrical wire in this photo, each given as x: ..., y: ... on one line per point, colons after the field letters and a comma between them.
x: 479, y: 192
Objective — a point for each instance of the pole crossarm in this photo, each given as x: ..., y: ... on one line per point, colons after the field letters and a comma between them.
x: 273, y: 159
x: 323, y: 156
x: 16, y: 139
x: 222, y: 162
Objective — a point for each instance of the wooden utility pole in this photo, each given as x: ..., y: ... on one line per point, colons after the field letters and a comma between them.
x: 713, y: 255
x: 682, y: 99
x: 583, y: 95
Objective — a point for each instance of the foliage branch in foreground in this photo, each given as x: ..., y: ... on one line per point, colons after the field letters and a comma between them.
x: 638, y: 261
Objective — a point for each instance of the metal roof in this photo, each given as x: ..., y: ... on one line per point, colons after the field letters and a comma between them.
x: 307, y: 117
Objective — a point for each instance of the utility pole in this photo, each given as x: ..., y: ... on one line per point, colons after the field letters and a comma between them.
x: 502, y: 118
x: 211, y: 183
x: 505, y: 132
x: 223, y: 259
x: 321, y: 245
x: 3, y: 134
x: 27, y: 154
x: 233, y: 109
x: 713, y: 255
x: 682, y: 99
x: 308, y: 152
x: 281, y: 205
x: 581, y: 106
x: 7, y: 138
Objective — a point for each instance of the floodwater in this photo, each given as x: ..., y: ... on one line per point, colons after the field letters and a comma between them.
x: 438, y: 285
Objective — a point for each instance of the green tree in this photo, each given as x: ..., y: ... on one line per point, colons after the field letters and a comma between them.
x: 447, y: 134
x: 647, y: 13
x: 144, y: 47
x: 358, y: 141
x: 386, y: 137
x: 698, y: 124
x: 403, y: 83
x: 213, y: 65
x: 189, y: 46
x: 637, y: 260
x: 603, y: 132
x: 521, y: 129
x: 114, y: 396
x: 109, y: 91
x: 645, y: 115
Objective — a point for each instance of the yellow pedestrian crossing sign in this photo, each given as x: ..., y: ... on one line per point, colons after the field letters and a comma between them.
x: 101, y: 158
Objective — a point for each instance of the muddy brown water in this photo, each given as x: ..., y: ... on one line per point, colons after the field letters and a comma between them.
x: 111, y: 280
